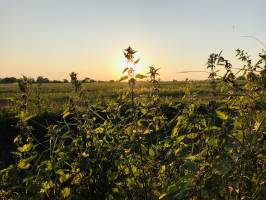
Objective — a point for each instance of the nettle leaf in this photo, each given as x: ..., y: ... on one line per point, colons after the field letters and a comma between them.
x: 151, y: 152
x: 123, y: 78
x: 65, y: 114
x: 140, y: 76
x: 144, y: 110
x: 25, y: 148
x: 47, y: 185
x: 23, y: 164
x: 221, y: 115
x: 180, y: 138
x: 125, y: 70
x: 65, y: 192
x: 136, y: 61
x: 258, y: 125
x: 192, y: 135
x: 163, y: 196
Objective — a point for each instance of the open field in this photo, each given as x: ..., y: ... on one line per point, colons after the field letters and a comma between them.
x: 55, y: 95
x: 168, y: 140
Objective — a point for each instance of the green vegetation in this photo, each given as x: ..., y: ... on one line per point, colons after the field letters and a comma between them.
x: 137, y: 140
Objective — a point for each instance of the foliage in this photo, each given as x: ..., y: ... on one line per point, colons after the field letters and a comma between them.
x: 145, y: 147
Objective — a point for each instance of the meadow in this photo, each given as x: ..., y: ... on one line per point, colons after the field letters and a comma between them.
x: 137, y: 139
x: 55, y: 95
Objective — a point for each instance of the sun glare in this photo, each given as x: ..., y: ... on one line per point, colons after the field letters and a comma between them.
x: 122, y: 64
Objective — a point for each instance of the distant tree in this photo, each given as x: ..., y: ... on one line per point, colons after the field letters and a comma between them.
x: 111, y: 81
x: 41, y: 79
x: 86, y: 80
x: 56, y: 81
x: 65, y: 81
x: 9, y: 80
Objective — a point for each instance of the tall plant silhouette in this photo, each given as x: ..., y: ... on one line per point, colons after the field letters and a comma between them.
x: 130, y: 71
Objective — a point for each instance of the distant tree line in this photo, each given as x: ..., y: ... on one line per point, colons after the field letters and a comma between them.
x: 41, y: 79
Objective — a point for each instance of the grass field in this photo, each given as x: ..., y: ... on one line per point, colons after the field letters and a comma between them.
x: 55, y: 95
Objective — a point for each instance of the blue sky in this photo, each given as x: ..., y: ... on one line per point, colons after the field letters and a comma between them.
x: 54, y: 37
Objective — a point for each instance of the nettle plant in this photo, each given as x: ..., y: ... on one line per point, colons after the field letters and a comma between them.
x: 130, y: 71
x: 75, y: 82
x: 153, y: 79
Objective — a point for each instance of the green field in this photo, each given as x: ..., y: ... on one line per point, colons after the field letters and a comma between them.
x: 55, y: 95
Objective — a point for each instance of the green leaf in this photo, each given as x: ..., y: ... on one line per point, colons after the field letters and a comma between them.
x: 192, y: 135
x: 65, y: 114
x: 162, y: 196
x: 180, y: 138
x: 151, y: 152
x: 65, y: 192
x: 25, y: 148
x: 123, y: 78
x: 115, y: 190
x: 63, y: 178
x: 23, y: 164
x: 134, y: 170
x: 136, y: 61
x: 144, y: 110
x: 258, y: 124
x: 140, y: 76
x: 163, y: 168
x: 46, y: 186
x: 125, y: 70
x: 221, y: 115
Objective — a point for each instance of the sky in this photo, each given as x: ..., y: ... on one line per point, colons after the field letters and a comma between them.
x: 55, y: 37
